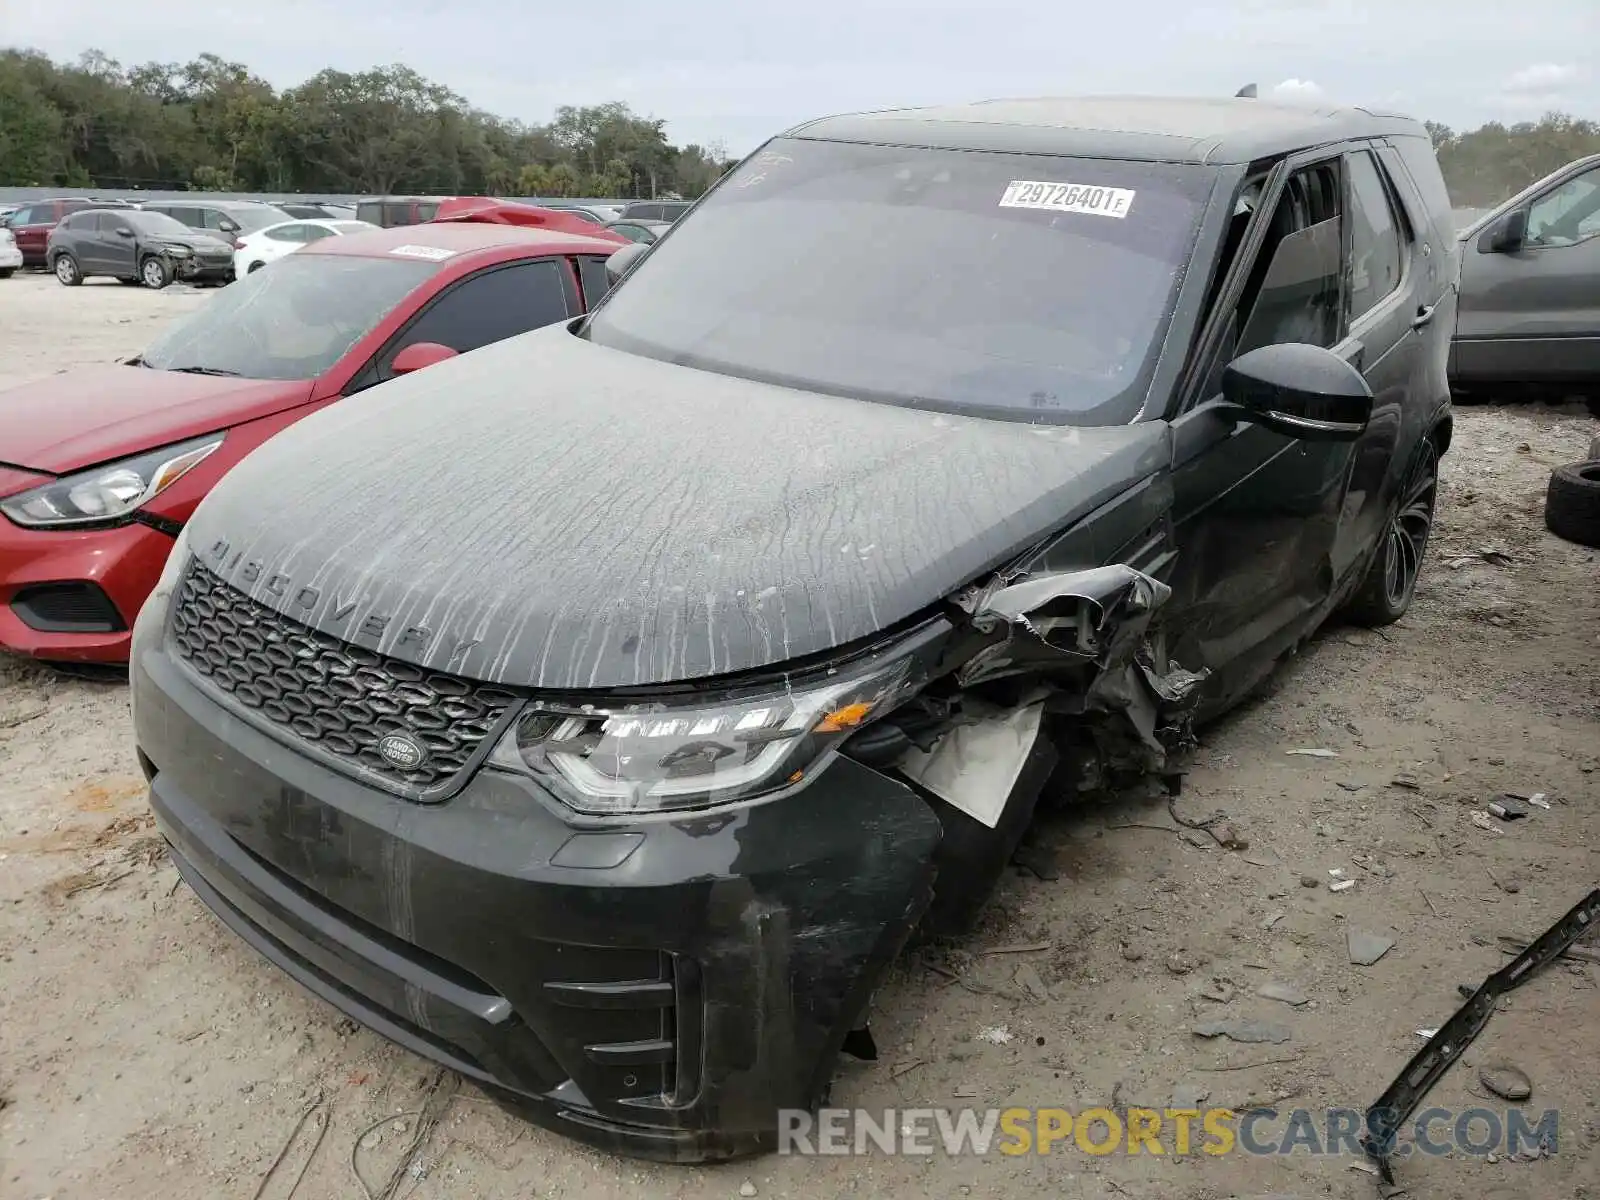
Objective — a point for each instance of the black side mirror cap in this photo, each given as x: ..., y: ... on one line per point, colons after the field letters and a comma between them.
x: 1299, y: 390
x: 1506, y: 234
x: 621, y: 261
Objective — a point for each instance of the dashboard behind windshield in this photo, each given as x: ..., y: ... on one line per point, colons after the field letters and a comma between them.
x: 1024, y: 287
x: 292, y: 322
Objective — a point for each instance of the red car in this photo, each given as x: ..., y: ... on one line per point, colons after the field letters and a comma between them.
x: 102, y: 467
x: 31, y: 224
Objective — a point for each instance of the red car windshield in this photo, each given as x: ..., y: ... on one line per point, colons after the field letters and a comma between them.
x: 293, y: 320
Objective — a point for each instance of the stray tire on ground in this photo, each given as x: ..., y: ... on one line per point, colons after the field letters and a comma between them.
x: 1572, y: 503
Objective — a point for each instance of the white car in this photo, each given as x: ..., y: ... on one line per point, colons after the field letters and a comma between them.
x: 252, y: 251
x: 10, y: 256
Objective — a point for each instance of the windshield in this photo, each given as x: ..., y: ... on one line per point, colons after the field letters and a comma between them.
x: 292, y: 322
x: 156, y: 223
x: 250, y: 219
x: 1022, y: 287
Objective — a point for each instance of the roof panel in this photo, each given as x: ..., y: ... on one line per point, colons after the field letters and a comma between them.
x: 1200, y: 129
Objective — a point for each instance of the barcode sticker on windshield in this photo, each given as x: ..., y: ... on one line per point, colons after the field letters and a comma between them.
x: 435, y: 253
x: 1068, y: 198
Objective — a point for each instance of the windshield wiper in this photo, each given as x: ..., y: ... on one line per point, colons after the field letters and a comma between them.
x: 203, y: 371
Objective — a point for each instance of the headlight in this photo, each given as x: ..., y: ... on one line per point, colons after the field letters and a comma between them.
x: 177, y: 251
x: 108, y: 493
x: 669, y: 757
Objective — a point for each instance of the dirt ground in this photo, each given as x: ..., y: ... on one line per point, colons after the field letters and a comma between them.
x: 146, y: 1052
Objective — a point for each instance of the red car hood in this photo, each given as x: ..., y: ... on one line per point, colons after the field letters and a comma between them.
x: 81, y: 418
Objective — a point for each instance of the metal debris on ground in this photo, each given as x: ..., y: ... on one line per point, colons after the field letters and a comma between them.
x: 1406, y: 782
x: 1316, y: 752
x: 1538, y: 800
x: 1508, y: 808
x: 1428, y: 1065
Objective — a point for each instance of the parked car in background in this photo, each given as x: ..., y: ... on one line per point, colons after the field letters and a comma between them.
x: 1529, y: 318
x: 654, y: 210
x: 10, y: 256
x: 252, y: 251
x: 582, y: 213
x: 319, y: 210
x: 598, y: 714
x: 225, y: 219
x: 102, y: 467
x: 388, y: 211
x: 136, y: 246
x: 31, y: 224
x: 639, y: 231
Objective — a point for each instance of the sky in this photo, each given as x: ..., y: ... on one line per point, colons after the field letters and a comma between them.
x: 735, y: 71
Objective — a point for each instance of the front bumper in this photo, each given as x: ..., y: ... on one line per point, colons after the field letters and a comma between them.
x: 192, y: 268
x: 121, y: 565
x: 660, y: 989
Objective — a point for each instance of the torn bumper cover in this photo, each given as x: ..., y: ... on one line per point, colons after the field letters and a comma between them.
x: 663, y: 986
x: 659, y: 989
x: 1086, y: 637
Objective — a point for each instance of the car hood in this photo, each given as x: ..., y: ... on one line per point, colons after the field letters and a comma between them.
x: 549, y: 513
x: 81, y: 418
x: 200, y: 241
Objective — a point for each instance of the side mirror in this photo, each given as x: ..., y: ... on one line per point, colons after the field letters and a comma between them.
x: 124, y: 232
x: 621, y: 261
x: 1506, y: 234
x: 418, y: 355
x: 1299, y: 390
x: 228, y: 226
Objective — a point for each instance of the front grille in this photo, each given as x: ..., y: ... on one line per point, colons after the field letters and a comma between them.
x: 67, y: 608
x: 337, y: 700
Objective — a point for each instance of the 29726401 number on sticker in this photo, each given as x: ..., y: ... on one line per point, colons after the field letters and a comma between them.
x: 1089, y: 199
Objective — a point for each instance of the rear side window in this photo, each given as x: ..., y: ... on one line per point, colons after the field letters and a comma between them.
x: 72, y: 206
x: 370, y: 211
x: 189, y: 216
x: 427, y: 210
x: 1423, y: 167
x: 498, y: 304
x: 592, y: 274
x: 1375, y: 243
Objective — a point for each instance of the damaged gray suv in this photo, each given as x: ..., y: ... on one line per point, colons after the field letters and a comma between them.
x: 600, y: 712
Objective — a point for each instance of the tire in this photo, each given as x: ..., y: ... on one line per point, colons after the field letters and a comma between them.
x: 66, y: 270
x: 155, y: 273
x: 254, y: 267
x: 1391, y: 580
x: 7, y: 272
x: 1572, y: 503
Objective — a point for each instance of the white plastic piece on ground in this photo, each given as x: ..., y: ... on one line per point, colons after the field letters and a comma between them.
x: 974, y: 767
